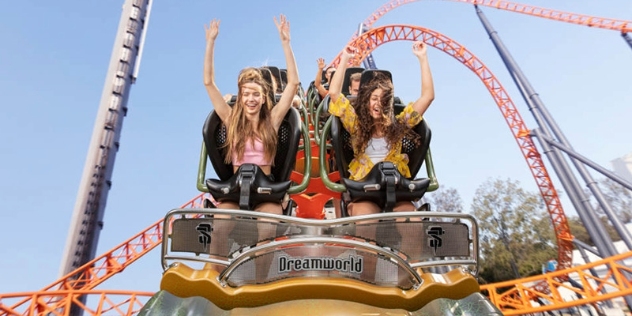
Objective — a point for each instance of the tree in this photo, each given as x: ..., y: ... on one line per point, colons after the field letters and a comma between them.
x: 445, y: 200
x: 578, y: 229
x: 516, y: 233
x: 619, y: 198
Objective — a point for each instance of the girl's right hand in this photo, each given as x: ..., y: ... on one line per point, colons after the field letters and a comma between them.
x: 212, y: 30
x: 349, y: 52
x: 420, y: 48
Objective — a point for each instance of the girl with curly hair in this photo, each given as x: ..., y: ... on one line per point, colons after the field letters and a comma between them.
x: 376, y: 132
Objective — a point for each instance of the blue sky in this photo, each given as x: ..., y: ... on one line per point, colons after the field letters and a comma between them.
x: 54, y: 57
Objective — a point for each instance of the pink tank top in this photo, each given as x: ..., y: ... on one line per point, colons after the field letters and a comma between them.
x: 252, y: 155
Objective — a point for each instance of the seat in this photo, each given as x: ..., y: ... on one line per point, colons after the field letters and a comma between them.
x: 276, y: 74
x: 384, y: 185
x: 347, y: 79
x: 249, y: 187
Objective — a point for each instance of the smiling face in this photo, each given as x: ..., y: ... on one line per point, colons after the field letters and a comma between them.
x: 252, y: 98
x: 375, y: 104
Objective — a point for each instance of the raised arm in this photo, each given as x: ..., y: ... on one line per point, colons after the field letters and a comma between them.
x: 221, y: 107
x: 427, y: 87
x: 319, y: 75
x: 281, y: 108
x: 335, y: 86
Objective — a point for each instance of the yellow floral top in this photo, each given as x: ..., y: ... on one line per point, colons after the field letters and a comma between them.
x: 362, y: 164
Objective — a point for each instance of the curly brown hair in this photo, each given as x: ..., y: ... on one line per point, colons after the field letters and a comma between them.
x: 394, y: 131
x: 241, y: 130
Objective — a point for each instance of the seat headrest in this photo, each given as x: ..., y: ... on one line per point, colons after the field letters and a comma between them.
x: 347, y: 79
x: 276, y: 74
x: 283, y: 78
x: 323, y: 77
x: 369, y: 74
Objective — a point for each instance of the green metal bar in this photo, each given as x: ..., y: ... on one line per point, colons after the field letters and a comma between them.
x: 311, y: 99
x: 303, y: 112
x: 201, y: 177
x: 307, y: 149
x: 336, y: 187
x: 434, y: 183
x: 316, y: 117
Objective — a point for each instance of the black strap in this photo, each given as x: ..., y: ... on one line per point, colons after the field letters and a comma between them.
x: 247, y: 177
x: 390, y: 175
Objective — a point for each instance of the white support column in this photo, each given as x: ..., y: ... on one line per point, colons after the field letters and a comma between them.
x: 87, y: 218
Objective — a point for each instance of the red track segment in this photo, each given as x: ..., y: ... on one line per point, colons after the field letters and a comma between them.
x: 112, y: 262
x: 370, y: 40
x: 622, y: 26
x: 109, y: 302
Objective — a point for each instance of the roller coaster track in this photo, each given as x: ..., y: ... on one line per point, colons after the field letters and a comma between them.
x: 623, y: 26
x: 57, y: 297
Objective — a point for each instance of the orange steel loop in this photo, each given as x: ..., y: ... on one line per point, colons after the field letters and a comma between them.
x: 622, y: 26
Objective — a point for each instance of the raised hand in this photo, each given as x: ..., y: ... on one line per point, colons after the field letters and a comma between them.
x: 212, y: 30
x: 349, y: 52
x: 283, y: 25
x: 420, y: 48
x: 321, y: 63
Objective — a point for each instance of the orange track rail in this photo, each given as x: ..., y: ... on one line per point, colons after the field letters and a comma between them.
x: 109, y: 302
x: 623, y: 26
x: 95, y: 272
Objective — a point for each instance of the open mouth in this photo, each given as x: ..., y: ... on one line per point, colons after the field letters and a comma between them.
x: 376, y: 110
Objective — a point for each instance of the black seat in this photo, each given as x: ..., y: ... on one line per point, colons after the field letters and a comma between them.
x: 249, y: 187
x: 384, y: 185
x: 283, y: 78
x: 276, y: 74
x: 347, y: 79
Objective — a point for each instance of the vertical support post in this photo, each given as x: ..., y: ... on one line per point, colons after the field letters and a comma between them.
x: 589, y: 217
x: 576, y: 194
x: 627, y: 38
x: 87, y: 217
x: 368, y: 62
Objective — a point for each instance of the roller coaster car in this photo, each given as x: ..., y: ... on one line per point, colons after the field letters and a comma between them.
x: 384, y: 185
x: 216, y: 265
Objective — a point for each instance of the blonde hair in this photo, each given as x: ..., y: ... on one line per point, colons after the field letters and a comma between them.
x: 240, y: 129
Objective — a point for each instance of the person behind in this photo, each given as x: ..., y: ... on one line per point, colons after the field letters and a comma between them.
x: 253, y: 122
x: 354, y: 83
x: 318, y: 84
x: 376, y: 131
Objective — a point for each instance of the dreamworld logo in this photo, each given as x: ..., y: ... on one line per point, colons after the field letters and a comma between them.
x: 352, y: 264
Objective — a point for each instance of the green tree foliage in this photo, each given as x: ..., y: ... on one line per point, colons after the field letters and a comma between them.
x: 578, y: 230
x: 619, y: 198
x: 445, y: 200
x: 516, y: 235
